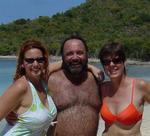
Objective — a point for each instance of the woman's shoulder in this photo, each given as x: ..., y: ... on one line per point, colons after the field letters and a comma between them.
x: 21, y: 84
x: 141, y: 84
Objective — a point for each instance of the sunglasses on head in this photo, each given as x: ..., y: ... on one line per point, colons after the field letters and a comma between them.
x: 31, y: 60
x: 117, y: 60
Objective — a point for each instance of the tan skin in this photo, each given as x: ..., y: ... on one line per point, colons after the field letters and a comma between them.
x: 53, y: 67
x: 117, y: 95
x: 18, y: 96
x: 76, y: 96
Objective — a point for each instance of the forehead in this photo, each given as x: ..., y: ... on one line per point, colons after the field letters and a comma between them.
x: 33, y: 53
x: 110, y: 56
x: 73, y: 44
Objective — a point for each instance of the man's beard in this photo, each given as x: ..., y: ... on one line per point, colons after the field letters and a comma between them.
x: 75, y: 68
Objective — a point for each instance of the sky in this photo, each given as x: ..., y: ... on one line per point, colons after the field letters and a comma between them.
x: 11, y: 10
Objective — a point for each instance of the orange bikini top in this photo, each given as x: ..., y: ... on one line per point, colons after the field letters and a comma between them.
x: 130, y: 115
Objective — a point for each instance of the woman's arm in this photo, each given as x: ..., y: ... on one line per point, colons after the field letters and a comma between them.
x: 11, y: 99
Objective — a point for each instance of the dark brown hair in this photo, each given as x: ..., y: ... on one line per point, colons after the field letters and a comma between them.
x: 112, y: 49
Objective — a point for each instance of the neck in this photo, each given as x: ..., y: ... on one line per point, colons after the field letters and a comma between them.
x: 76, y: 78
x: 36, y: 82
x: 116, y: 82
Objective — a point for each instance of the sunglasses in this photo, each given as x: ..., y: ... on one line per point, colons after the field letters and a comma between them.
x: 31, y: 60
x: 107, y: 62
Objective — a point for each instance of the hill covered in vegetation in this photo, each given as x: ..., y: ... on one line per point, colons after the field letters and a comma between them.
x: 98, y: 21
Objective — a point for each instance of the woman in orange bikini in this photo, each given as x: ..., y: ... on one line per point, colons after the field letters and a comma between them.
x: 123, y: 96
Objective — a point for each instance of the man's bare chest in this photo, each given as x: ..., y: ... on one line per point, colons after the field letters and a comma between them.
x: 67, y: 95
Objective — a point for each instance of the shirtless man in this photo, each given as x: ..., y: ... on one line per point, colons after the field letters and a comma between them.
x: 75, y: 92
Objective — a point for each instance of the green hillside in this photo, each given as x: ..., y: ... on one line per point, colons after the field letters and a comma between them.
x: 98, y: 21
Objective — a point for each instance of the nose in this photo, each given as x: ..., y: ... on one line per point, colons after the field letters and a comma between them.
x: 35, y: 62
x: 112, y: 63
x: 75, y: 56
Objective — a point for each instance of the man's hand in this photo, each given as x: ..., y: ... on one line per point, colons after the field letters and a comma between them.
x: 11, y: 118
x: 98, y: 74
x: 53, y: 123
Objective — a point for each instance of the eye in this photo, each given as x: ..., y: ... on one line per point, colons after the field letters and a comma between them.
x: 106, y: 62
x: 69, y: 53
x: 31, y: 60
x: 117, y: 60
x: 80, y: 52
x: 40, y: 60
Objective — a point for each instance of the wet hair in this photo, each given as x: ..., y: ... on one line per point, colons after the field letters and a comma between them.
x: 112, y: 49
x: 27, y: 45
x: 77, y: 37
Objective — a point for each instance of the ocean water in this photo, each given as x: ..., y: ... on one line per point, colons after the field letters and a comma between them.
x: 139, y: 71
x: 8, y: 66
x: 7, y: 71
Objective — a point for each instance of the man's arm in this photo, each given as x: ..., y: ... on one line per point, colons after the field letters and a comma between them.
x: 55, y: 66
x: 11, y: 118
x: 99, y: 74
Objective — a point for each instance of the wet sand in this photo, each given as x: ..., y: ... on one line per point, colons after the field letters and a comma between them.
x: 145, y: 127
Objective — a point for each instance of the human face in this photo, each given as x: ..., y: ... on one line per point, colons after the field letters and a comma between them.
x: 113, y: 66
x: 74, y: 56
x: 34, y: 63
x: 115, y: 60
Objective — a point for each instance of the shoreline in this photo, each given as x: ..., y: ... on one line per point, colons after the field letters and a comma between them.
x: 92, y: 60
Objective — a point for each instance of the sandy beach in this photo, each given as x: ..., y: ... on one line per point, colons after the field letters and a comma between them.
x: 145, y: 128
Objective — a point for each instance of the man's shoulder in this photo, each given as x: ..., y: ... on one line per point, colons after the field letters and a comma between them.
x: 56, y: 81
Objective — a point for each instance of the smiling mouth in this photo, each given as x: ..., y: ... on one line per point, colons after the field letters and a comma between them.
x: 35, y: 70
x: 113, y: 71
x: 76, y: 66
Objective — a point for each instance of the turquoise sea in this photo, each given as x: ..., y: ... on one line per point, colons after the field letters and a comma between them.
x: 7, y: 70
